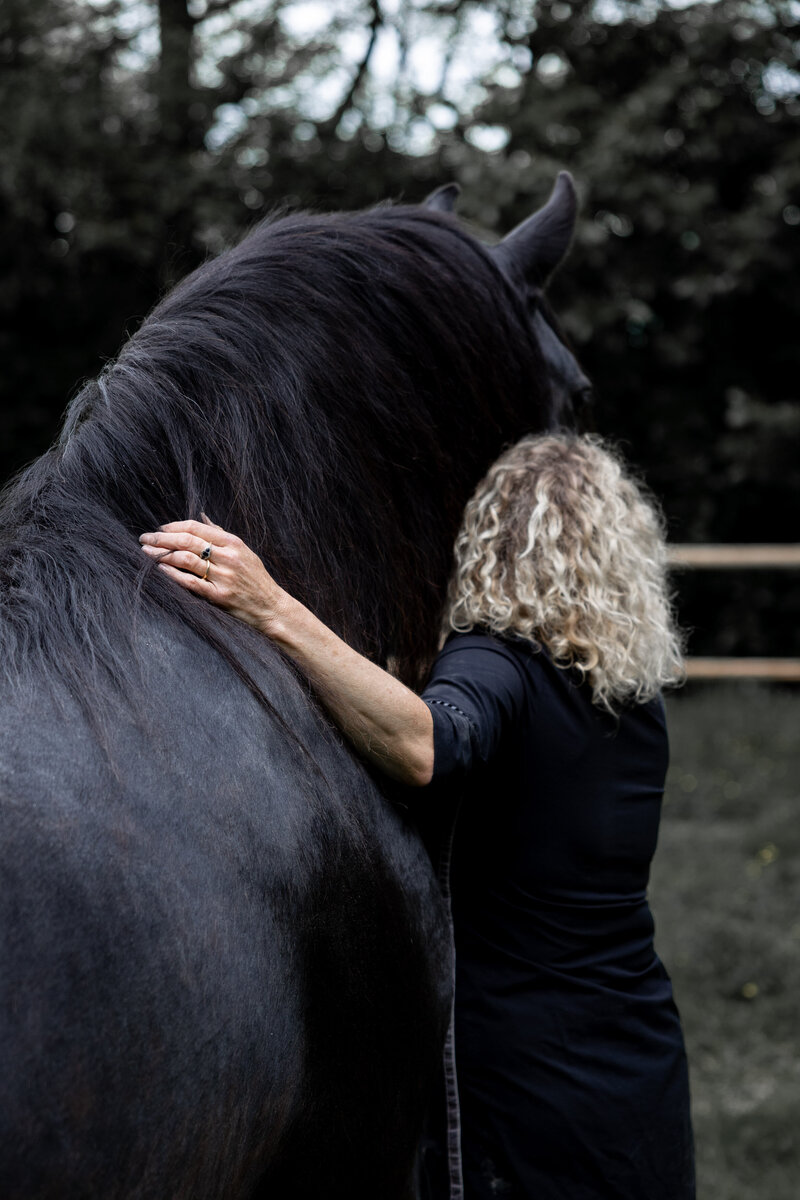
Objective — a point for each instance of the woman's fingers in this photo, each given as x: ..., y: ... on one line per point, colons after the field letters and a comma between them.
x: 174, y: 541
x: 184, y: 565
x: 205, y: 552
x: 199, y: 529
x: 185, y: 559
x: 173, y: 545
x: 193, y: 583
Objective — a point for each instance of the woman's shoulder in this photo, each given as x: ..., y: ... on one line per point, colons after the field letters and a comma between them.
x: 478, y: 651
x: 507, y: 646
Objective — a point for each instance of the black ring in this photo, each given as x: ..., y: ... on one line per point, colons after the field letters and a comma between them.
x: 205, y: 553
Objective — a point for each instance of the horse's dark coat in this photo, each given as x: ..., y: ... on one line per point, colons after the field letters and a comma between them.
x: 225, y: 969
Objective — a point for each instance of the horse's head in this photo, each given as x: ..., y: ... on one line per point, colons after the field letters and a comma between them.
x: 331, y: 389
x: 528, y: 257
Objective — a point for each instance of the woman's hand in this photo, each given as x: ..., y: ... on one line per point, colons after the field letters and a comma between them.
x: 386, y: 722
x: 214, y: 564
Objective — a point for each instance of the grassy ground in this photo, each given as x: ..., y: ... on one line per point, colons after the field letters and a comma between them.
x: 726, y: 895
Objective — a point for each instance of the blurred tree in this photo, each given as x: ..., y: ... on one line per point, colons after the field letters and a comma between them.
x: 682, y: 127
x: 47, y: 89
x: 82, y: 230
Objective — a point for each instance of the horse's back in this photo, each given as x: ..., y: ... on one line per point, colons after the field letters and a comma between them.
x: 225, y: 966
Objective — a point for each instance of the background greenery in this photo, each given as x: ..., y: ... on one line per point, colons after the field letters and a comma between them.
x: 138, y: 136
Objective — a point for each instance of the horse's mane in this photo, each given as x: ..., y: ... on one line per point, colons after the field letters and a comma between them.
x: 331, y: 389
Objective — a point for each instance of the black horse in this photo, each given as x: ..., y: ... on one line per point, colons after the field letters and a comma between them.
x: 225, y: 963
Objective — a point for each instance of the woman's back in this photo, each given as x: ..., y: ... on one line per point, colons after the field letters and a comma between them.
x: 571, y: 1064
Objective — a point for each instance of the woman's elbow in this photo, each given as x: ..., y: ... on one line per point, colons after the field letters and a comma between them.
x: 419, y: 766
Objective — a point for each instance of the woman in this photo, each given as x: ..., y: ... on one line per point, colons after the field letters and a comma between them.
x: 544, y: 705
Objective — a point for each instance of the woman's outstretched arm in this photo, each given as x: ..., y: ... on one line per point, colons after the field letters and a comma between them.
x: 385, y: 720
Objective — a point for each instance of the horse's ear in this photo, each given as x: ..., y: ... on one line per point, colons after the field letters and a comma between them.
x: 532, y: 251
x: 444, y: 198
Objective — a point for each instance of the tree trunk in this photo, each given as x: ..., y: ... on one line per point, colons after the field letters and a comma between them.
x: 181, y: 134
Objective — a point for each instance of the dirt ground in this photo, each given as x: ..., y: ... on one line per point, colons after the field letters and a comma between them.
x: 725, y: 891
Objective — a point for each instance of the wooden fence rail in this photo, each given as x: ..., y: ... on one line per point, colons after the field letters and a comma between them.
x: 710, y: 557
x: 735, y: 556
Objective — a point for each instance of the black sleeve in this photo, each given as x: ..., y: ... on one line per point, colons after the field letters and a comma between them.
x: 476, y: 692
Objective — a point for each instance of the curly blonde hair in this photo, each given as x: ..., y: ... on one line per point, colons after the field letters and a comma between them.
x: 561, y: 546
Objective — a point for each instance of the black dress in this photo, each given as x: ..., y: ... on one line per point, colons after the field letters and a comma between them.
x: 572, y: 1072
